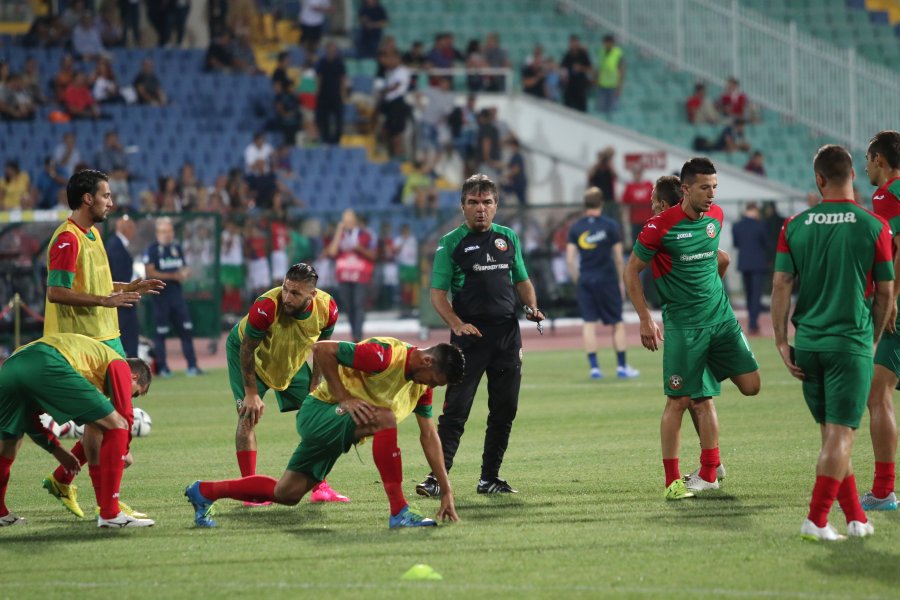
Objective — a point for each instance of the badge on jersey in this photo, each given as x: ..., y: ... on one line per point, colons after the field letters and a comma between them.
x: 501, y: 244
x: 675, y: 382
x: 711, y: 230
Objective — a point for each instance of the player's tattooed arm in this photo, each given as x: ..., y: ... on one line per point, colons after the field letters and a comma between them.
x: 252, y: 407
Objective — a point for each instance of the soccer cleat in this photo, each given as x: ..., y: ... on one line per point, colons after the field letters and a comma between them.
x: 695, y: 483
x: 324, y: 493
x: 67, y: 494
x: 627, y: 372
x: 164, y: 373
x: 677, y: 491
x: 203, y: 508
x: 195, y: 372
x: 429, y: 487
x: 813, y: 533
x: 859, y: 529
x: 495, y: 485
x: 596, y: 374
x: 10, y: 519
x: 870, y: 502
x: 125, y: 509
x: 720, y: 473
x: 123, y: 520
x: 408, y: 518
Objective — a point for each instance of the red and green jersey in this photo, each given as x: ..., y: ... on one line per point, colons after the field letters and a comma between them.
x: 838, y: 250
x: 683, y: 254
x: 886, y: 202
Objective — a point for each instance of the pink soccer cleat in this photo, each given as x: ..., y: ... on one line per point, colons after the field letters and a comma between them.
x: 324, y: 493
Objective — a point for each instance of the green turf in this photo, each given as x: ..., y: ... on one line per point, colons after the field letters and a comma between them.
x: 589, y: 520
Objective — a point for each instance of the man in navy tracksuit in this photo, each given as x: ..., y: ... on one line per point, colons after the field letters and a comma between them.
x: 164, y: 260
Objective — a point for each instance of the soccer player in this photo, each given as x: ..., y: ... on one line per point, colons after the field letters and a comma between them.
x: 72, y: 377
x: 594, y: 259
x: 374, y: 384
x: 82, y: 298
x: 883, y: 168
x: 481, y: 264
x: 835, y: 246
x: 682, y: 244
x: 269, y: 348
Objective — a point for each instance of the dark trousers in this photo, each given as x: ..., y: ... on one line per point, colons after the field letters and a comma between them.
x: 497, y: 354
x: 169, y: 308
x: 330, y: 120
x: 753, y: 287
x: 129, y: 330
x: 353, y: 302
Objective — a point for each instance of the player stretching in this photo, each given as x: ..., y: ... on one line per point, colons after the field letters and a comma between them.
x: 702, y: 331
x: 840, y: 247
x: 374, y: 384
x: 883, y: 168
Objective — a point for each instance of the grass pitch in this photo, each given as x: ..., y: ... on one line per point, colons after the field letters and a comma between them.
x: 589, y: 521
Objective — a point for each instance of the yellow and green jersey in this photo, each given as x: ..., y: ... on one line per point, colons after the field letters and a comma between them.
x: 89, y: 358
x: 77, y: 260
x: 838, y: 250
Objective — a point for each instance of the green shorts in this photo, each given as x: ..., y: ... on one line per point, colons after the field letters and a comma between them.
x: 232, y: 276
x: 409, y: 274
x: 291, y: 398
x: 38, y: 379
x: 835, y: 385
x: 887, y: 354
x: 116, y: 344
x: 692, y: 358
x: 324, y: 436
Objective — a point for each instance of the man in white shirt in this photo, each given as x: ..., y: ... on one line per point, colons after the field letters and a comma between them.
x: 258, y: 155
x: 396, y: 112
x: 312, y: 23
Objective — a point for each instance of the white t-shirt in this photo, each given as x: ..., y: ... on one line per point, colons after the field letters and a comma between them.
x: 254, y: 153
x: 401, y: 75
x: 310, y: 16
x: 407, y: 250
x: 231, y: 251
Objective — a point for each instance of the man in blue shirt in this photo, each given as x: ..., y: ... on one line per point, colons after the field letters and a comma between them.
x: 751, y: 238
x: 164, y: 260
x: 594, y: 259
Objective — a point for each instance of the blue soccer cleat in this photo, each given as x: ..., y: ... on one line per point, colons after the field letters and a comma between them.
x: 408, y: 518
x: 203, y: 508
x: 870, y: 502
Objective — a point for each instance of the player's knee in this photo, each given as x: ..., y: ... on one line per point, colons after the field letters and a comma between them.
x: 749, y: 385
x: 288, y: 495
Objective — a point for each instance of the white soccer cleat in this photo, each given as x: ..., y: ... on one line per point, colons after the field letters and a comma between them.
x: 859, y: 529
x: 720, y: 473
x: 695, y: 483
x: 124, y: 520
x: 813, y: 533
x: 10, y: 519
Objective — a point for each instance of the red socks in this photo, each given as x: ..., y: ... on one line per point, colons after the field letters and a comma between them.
x: 112, y: 464
x: 390, y: 466
x: 823, y: 495
x: 5, y: 466
x: 884, y: 479
x: 255, y: 488
x: 247, y: 462
x: 709, y: 460
x: 848, y: 498
x: 66, y: 477
x: 672, y: 472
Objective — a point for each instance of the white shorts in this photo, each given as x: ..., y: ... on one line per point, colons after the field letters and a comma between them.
x: 279, y: 264
x: 259, y: 276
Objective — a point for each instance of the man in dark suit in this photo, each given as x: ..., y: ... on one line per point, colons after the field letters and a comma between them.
x: 751, y: 238
x: 121, y: 264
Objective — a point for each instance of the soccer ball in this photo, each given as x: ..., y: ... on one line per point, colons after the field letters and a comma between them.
x: 142, y: 423
x: 77, y: 430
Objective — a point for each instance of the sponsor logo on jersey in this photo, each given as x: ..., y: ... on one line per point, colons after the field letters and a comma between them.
x: 830, y: 218
x: 881, y: 197
x: 700, y: 256
x: 468, y: 249
x: 589, y: 241
x: 682, y: 236
x: 489, y: 259
x: 501, y: 244
x: 63, y: 245
x: 262, y: 312
x: 711, y: 230
x: 651, y: 226
x: 675, y: 382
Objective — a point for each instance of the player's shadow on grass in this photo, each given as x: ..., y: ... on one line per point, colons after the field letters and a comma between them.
x: 852, y: 559
x: 50, y: 539
x: 714, y: 511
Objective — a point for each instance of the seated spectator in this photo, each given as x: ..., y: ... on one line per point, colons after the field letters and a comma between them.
x: 106, y: 88
x: 443, y: 55
x: 733, y: 138
x: 49, y: 183
x: 415, y: 58
x: 16, y: 104
x: 66, y: 154
x: 312, y: 23
x: 32, y: 80
x: 419, y: 191
x: 534, y: 75
x: 373, y: 19
x: 168, y: 200
x: 244, y: 57
x: 476, y: 82
x: 146, y: 84
x: 515, y: 181
x: 732, y: 103
x: 281, y: 71
x: 756, y: 164
x: 64, y: 77
x: 192, y: 191
x: 220, y: 54
x: 78, y: 100
x: 258, y: 155
x: 118, y: 186
x: 86, y: 40
x: 111, y: 155
x: 496, y: 58
x: 45, y: 32
x: 288, y: 119
x: 112, y: 32
x: 15, y: 186
x: 699, y: 108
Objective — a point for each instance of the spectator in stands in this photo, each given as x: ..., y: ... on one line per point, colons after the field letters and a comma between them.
x: 72, y: 15
x: 415, y: 57
x: 603, y: 175
x: 533, y: 73
x: 515, y: 181
x: 119, y: 188
x: 14, y: 187
x: 231, y: 263
x: 86, y: 40
x: 109, y: 21
x: 45, y: 32
x: 220, y: 54
x: 146, y: 84
x: 733, y: 138
x: 64, y: 77
x: 732, y: 103
x: 67, y: 155
x: 353, y: 248
x: 332, y: 89
x: 262, y: 184
x: 436, y: 103
x: 394, y: 107
x: 244, y: 56
x: 312, y: 23
x: 419, y: 191
x: 756, y: 164
x: 443, y: 55
x: 130, y: 11
x: 282, y: 67
x: 48, y: 183
x: 179, y: 17
x: 751, y: 238
x: 258, y: 154
x: 373, y: 19
x: 259, y: 273
x: 576, y: 66
x: 475, y: 61
x: 105, y: 88
x: 32, y: 80
x: 190, y: 188
x: 78, y: 100
x: 168, y: 200
x: 488, y: 151
x: 636, y: 201
x: 610, y: 75
x: 699, y: 108
x: 288, y: 119
x: 160, y: 15
x: 16, y: 104
x: 496, y: 58
x: 111, y: 155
